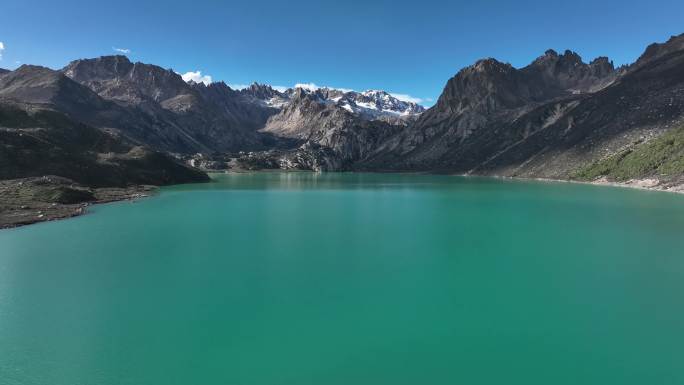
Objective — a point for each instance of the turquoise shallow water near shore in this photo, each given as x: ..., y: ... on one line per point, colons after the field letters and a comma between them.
x: 369, y: 279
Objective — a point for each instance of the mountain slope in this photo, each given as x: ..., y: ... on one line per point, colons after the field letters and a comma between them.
x: 644, y: 103
x: 35, y: 141
x: 492, y: 93
x: 660, y: 158
x: 43, y: 86
x: 309, y: 119
x: 170, y: 114
x: 155, y: 107
x: 553, y: 118
x: 34, y: 85
x: 549, y: 119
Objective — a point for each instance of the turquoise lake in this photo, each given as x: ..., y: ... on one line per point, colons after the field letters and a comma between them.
x: 350, y: 279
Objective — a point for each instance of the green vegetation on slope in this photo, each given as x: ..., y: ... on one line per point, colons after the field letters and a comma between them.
x: 661, y: 157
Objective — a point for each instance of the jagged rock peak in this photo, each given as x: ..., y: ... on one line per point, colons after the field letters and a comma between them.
x: 117, y: 66
x: 552, y: 58
x: 218, y: 85
x: 383, y: 101
x: 31, y: 67
x: 602, y: 66
x: 602, y: 60
x: 569, y: 61
x: 196, y: 84
x: 42, y: 85
x: 34, y: 75
x: 115, y: 77
x: 571, y: 56
x: 488, y: 65
x: 258, y: 86
x: 261, y: 91
x: 553, y: 72
x: 657, y: 50
x: 300, y: 93
x: 112, y: 65
x: 490, y: 86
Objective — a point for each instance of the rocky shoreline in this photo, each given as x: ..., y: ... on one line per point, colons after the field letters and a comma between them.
x: 32, y: 200
x: 647, y: 184
x: 644, y: 184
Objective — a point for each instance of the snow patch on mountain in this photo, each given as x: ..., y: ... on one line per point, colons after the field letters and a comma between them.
x: 315, y: 87
x: 197, y: 77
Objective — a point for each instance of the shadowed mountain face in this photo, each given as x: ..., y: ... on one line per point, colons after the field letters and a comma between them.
x: 42, y: 86
x: 42, y: 132
x: 490, y: 91
x: 249, y: 112
x: 193, y: 117
x: 657, y: 50
x: 154, y: 107
x: 171, y: 114
x: 36, y: 142
x: 116, y: 78
x: 548, y: 119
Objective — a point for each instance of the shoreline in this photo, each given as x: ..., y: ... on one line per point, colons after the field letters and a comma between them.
x: 28, y: 201
x: 20, y: 210
x: 646, y: 184
x: 634, y: 184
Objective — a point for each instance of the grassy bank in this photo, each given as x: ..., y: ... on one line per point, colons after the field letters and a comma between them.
x: 661, y: 158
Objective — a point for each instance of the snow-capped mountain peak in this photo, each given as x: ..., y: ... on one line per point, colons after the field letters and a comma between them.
x: 384, y: 101
x: 370, y: 104
x: 266, y: 95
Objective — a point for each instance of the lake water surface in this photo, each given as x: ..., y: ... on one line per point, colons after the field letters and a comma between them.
x: 350, y: 279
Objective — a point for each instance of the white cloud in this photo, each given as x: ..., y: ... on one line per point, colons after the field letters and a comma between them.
x: 280, y: 88
x: 408, y: 98
x: 307, y: 86
x: 238, y: 86
x: 196, y: 77
x: 2, y: 48
x: 124, y: 51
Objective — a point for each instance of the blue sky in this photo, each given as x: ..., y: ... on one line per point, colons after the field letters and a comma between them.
x: 405, y: 47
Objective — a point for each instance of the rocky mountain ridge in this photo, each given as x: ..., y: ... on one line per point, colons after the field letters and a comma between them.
x: 549, y: 119
x: 172, y: 114
x: 369, y: 105
x: 37, y: 141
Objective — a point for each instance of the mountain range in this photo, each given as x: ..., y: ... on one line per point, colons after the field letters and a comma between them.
x: 558, y: 117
